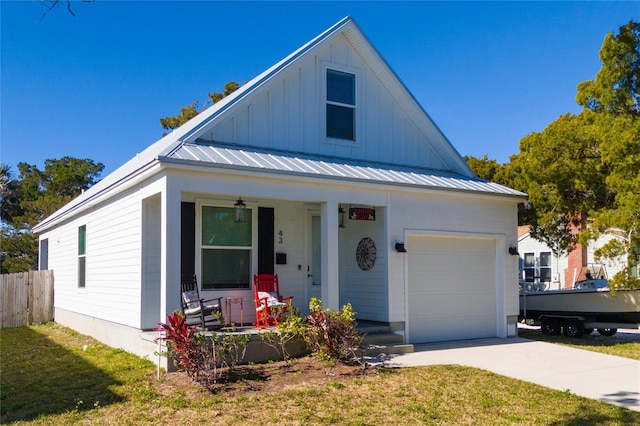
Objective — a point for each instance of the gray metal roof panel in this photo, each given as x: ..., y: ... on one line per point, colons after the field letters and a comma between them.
x: 329, y: 167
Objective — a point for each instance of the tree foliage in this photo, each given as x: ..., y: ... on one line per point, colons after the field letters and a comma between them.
x: 33, y: 196
x: 616, y: 87
x: 562, y: 171
x: 584, y: 169
x: 485, y: 168
x: 190, y: 111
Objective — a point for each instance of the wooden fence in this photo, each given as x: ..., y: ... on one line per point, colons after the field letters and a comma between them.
x: 26, y: 298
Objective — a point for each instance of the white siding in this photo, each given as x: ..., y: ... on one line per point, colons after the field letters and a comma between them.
x: 288, y: 113
x: 367, y: 291
x: 113, y: 256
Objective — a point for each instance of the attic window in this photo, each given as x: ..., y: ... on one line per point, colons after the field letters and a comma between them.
x: 341, y: 102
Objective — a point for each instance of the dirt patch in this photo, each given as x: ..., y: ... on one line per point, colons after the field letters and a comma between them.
x: 270, y: 377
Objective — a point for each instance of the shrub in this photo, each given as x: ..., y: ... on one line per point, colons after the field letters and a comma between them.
x: 289, y: 328
x: 198, y: 354
x: 332, y: 335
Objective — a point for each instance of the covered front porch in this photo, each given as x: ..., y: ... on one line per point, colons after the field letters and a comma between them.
x: 335, y: 249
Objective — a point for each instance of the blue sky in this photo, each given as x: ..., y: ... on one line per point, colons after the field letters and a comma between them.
x: 95, y: 85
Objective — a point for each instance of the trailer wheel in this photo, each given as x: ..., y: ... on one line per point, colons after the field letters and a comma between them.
x: 588, y: 330
x: 607, y: 331
x: 573, y: 328
x: 550, y: 327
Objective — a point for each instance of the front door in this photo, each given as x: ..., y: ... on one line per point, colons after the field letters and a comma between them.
x: 313, y: 255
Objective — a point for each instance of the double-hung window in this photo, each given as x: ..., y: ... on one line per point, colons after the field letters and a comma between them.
x: 226, y: 249
x: 43, y: 255
x: 82, y: 256
x: 545, y: 266
x: 341, y: 105
x: 529, y: 267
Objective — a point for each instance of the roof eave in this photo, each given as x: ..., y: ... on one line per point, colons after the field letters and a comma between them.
x: 231, y: 168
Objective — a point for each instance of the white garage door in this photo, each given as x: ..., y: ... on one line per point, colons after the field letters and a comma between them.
x: 452, y: 288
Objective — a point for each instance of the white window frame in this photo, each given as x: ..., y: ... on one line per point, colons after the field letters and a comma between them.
x: 357, y: 115
x: 199, y: 246
x: 82, y: 258
x: 530, y: 267
x: 548, y: 279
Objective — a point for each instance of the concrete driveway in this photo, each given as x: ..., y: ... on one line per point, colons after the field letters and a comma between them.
x: 607, y: 378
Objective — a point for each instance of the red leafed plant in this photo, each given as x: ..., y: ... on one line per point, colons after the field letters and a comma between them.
x: 188, y: 348
x: 200, y: 354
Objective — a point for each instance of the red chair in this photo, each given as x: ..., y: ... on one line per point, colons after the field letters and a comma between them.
x: 270, y: 305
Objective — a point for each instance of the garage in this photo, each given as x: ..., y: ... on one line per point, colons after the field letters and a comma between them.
x: 451, y: 288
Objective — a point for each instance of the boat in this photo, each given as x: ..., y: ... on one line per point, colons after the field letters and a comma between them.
x: 589, y: 305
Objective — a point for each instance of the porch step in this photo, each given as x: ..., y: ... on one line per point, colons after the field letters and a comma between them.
x: 380, y: 340
x: 377, y: 350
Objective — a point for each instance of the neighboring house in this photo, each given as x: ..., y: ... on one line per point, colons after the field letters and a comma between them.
x: 538, y: 264
x: 326, y: 134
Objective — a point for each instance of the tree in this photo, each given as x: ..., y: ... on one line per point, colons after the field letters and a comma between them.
x: 585, y: 168
x: 175, y: 121
x: 35, y: 195
x: 484, y: 168
x: 8, y: 193
x: 190, y: 111
x: 562, y: 171
x: 614, y: 95
x: 616, y: 88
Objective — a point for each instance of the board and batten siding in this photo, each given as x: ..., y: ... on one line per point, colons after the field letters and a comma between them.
x: 367, y: 291
x: 455, y: 214
x: 288, y: 114
x: 113, y: 261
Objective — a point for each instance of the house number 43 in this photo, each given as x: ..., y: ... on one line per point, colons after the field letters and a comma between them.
x: 280, y: 239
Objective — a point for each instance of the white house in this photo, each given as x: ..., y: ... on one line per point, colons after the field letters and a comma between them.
x: 538, y: 264
x: 328, y: 131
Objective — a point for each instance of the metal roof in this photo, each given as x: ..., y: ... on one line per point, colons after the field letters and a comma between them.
x: 296, y: 163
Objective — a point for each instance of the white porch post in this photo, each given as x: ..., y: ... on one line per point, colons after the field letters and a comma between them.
x: 330, y: 292
x: 170, y: 253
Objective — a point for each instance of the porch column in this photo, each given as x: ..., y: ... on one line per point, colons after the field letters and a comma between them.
x: 330, y: 290
x: 170, y: 253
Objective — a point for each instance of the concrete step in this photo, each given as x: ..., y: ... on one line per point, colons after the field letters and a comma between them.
x: 370, y: 327
x: 387, y: 343
x: 381, y: 338
x: 375, y: 350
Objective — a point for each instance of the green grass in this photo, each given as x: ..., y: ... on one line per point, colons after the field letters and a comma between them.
x: 611, y: 345
x: 49, y: 377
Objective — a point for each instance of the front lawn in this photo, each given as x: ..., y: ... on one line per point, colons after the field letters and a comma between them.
x: 52, y: 375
